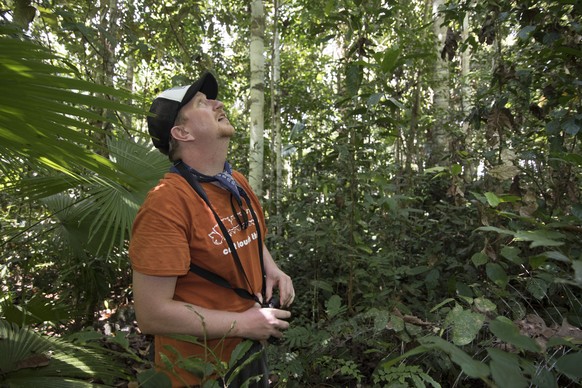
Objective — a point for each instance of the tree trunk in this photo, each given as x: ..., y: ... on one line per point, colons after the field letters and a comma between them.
x: 276, y: 117
x: 470, y: 172
x: 438, y: 137
x: 257, y: 96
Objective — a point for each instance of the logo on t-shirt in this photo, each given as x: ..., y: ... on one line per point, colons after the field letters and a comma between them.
x: 233, y: 228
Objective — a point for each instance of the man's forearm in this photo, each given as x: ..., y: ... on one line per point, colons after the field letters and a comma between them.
x: 177, y: 317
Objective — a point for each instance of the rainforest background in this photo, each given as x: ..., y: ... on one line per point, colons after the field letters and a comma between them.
x: 419, y: 164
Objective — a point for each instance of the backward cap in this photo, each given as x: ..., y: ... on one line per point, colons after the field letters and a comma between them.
x: 167, y: 104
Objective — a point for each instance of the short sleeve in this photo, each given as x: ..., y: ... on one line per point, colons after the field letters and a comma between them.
x: 159, y: 241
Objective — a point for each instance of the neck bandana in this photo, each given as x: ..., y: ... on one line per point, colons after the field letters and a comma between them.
x: 223, y: 178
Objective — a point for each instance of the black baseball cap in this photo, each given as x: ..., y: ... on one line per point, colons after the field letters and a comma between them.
x: 166, y: 106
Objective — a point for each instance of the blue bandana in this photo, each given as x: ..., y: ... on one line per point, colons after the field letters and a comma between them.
x: 224, y: 178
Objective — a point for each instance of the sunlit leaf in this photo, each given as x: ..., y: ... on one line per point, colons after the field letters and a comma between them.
x: 466, y: 325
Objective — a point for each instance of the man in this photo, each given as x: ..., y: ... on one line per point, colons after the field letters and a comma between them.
x: 200, y: 266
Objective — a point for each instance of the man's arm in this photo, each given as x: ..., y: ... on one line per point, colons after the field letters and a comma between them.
x: 158, y: 313
x: 278, y: 279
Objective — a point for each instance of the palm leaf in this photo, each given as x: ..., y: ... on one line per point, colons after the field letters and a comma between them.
x: 102, y: 219
x: 45, y: 112
x: 115, y: 206
x: 28, y: 359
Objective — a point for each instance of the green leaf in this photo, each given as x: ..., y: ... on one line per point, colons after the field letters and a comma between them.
x: 479, y: 259
x: 466, y: 325
x: 544, y: 378
x: 496, y: 229
x: 374, y: 99
x: 505, y: 369
x: 537, y: 287
x: 239, y: 351
x: 525, y: 32
x: 334, y: 306
x: 497, y: 274
x: 329, y: 7
x: 442, y: 304
x: 456, y: 169
x: 322, y: 285
x: 390, y: 59
x: 354, y: 76
x: 26, y: 358
x: 537, y: 261
x: 194, y: 365
x: 569, y: 364
x: 484, y: 305
x: 396, y: 323
x: 540, y: 238
x: 555, y: 255
x: 571, y: 126
x: 506, y: 331
x: 151, y: 378
x: 492, y: 199
x: 512, y: 254
x: 470, y: 367
x: 577, y: 266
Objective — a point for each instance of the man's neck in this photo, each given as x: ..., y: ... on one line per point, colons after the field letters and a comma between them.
x: 206, y: 161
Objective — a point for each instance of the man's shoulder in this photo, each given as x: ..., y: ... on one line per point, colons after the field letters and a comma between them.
x: 170, y: 184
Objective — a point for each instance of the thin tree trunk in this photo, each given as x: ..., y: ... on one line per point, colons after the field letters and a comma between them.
x: 470, y: 172
x: 257, y: 96
x: 438, y: 138
x: 276, y: 116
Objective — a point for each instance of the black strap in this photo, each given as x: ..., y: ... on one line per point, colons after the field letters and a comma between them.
x: 209, y: 275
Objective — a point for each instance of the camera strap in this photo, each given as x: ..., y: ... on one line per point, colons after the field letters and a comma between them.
x: 209, y: 275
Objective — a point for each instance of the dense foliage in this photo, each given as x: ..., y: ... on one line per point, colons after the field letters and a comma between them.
x: 430, y: 215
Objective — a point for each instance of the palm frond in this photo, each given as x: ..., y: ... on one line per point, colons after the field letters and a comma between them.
x: 45, y: 112
x: 27, y: 358
x: 102, y: 219
x: 115, y: 205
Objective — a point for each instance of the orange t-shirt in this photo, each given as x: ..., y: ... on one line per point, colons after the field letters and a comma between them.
x: 174, y: 227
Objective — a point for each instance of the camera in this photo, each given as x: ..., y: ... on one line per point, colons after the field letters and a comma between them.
x: 273, y: 303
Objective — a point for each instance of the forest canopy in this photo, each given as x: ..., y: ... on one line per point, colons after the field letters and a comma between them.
x: 418, y: 162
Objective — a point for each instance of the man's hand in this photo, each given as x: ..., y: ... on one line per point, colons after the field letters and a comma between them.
x: 277, y: 279
x: 262, y: 323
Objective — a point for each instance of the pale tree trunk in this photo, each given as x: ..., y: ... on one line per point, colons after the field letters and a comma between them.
x: 129, y: 76
x: 438, y: 137
x: 257, y: 96
x: 276, y: 116
x: 466, y: 96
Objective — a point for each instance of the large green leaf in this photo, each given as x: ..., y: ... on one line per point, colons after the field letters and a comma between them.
x: 28, y: 359
x: 569, y: 364
x: 540, y: 238
x: 470, y: 367
x: 466, y: 325
x: 505, y: 369
x: 44, y: 114
x: 102, y: 217
x: 506, y: 331
x: 497, y: 274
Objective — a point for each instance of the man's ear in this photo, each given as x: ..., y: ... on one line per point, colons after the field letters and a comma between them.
x: 180, y: 133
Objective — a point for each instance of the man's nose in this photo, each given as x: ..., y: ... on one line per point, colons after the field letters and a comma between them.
x: 217, y: 104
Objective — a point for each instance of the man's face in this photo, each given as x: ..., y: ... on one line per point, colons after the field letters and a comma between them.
x: 207, y: 119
